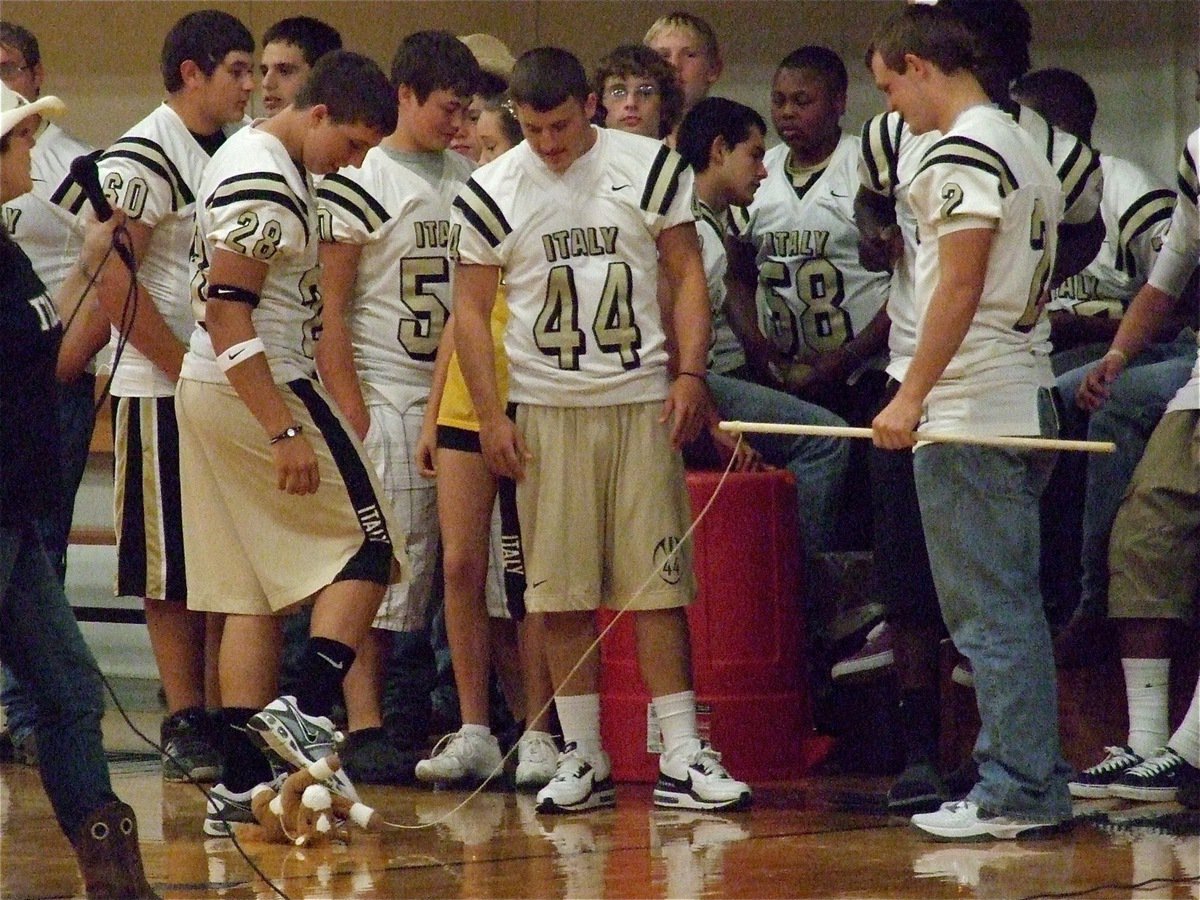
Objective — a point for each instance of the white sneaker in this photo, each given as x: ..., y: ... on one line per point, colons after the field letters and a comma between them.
x: 697, y: 780
x: 537, y: 760
x: 579, y: 783
x: 962, y: 820
x: 461, y: 759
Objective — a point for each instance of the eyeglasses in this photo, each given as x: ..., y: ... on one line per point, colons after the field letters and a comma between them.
x: 620, y: 91
x: 12, y: 69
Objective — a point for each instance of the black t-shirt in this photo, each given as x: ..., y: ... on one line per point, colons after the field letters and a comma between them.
x: 30, y: 332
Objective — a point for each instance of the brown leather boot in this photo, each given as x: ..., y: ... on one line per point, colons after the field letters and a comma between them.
x: 106, y: 846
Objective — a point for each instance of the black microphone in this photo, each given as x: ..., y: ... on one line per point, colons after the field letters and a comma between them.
x: 83, y: 170
x: 85, y: 174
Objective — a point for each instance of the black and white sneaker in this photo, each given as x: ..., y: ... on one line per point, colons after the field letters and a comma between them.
x: 579, y: 783
x: 1155, y: 780
x: 189, y: 747
x: 1096, y: 781
x: 224, y: 809
x: 300, y: 739
x: 697, y: 780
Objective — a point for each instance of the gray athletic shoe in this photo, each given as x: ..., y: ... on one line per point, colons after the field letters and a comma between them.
x: 300, y: 739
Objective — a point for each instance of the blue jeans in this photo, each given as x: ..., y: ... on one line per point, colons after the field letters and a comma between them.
x: 76, y: 419
x: 817, y: 463
x: 1139, y: 397
x: 40, y: 641
x: 979, y: 506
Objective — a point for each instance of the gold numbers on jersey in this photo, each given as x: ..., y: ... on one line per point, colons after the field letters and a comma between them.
x: 419, y: 335
x: 822, y: 325
x: 267, y: 243
x: 127, y: 195
x: 557, y: 333
x: 1041, y: 274
x: 310, y: 296
x: 952, y: 198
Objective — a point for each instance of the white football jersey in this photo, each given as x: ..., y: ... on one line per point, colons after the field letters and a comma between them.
x: 579, y: 257
x: 255, y: 200
x: 813, y: 293
x: 890, y: 156
x: 1181, y: 254
x: 152, y: 172
x: 987, y: 172
x: 401, y: 296
x: 1136, y: 209
x: 43, y: 220
x: 725, y: 352
x: 1181, y: 247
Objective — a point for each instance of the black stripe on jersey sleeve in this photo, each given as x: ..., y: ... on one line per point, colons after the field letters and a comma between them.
x: 1076, y: 171
x: 739, y: 220
x: 663, y: 182
x: 967, y: 152
x: 153, y: 157
x: 260, y: 187
x: 482, y: 212
x: 1150, y: 209
x: 1189, y: 184
x: 704, y: 212
x: 339, y: 190
x: 881, y: 153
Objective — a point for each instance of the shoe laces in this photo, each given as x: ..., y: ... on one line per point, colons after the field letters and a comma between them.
x: 537, y: 749
x: 708, y: 761
x: 452, y: 744
x: 1116, y: 758
x: 571, y: 764
x: 1162, y: 760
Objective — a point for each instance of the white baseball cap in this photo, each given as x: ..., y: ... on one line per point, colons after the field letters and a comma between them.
x: 15, y: 109
x: 491, y: 53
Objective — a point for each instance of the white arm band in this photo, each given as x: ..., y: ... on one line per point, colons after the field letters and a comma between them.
x: 239, y: 353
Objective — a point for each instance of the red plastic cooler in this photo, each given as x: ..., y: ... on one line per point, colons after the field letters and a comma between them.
x: 747, y: 641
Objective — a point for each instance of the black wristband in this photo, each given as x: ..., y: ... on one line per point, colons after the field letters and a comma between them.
x: 290, y: 432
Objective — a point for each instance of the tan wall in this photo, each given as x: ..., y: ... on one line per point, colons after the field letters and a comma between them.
x: 102, y: 56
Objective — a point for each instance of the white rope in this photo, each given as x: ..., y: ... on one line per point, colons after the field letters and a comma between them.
x: 1016, y: 442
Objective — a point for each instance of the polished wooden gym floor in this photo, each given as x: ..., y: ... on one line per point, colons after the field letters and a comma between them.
x: 815, y: 837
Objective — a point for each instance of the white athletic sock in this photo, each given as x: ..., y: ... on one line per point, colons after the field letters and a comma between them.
x: 1186, y: 739
x: 676, y: 714
x: 1146, y: 690
x: 481, y: 730
x: 580, y: 720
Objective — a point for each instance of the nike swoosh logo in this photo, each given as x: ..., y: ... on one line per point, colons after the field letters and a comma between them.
x: 237, y: 354
x: 836, y: 194
x: 539, y: 583
x: 337, y: 665
x: 621, y: 187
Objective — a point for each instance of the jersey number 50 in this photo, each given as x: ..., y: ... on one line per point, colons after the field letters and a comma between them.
x: 557, y: 332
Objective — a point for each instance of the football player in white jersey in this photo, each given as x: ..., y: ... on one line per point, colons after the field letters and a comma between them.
x: 152, y: 173
x: 1136, y: 209
x: 891, y: 154
x: 1082, y: 499
x: 290, y: 48
x: 578, y: 220
x: 820, y: 312
x: 723, y: 142
x: 40, y: 222
x: 259, y: 436
x: 987, y: 205
x: 1152, y: 555
x: 385, y: 284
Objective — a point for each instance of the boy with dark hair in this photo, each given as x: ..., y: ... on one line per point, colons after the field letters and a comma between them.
x: 152, y: 173
x: 723, y: 143
x: 987, y: 205
x: 637, y: 92
x: 385, y: 283
x: 291, y: 47
x: 259, y: 435
x: 594, y: 446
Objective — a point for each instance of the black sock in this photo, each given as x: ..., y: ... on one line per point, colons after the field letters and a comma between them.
x: 919, y: 725
x: 322, y: 669
x: 244, y: 763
